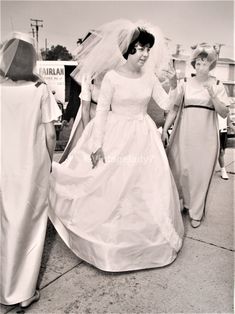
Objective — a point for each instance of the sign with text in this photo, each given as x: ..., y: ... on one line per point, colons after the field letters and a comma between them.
x: 53, y: 72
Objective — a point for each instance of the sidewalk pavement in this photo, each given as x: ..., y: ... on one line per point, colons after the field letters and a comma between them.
x: 199, y: 281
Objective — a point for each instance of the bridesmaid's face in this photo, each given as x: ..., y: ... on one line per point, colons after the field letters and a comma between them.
x: 202, y: 66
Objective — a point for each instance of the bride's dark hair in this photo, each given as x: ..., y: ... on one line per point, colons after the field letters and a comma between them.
x: 142, y: 37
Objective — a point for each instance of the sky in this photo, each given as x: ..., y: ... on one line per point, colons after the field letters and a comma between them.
x: 184, y: 22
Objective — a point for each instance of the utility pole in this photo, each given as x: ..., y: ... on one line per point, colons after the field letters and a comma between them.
x: 38, y: 23
x: 178, y: 49
x: 46, y: 49
x: 167, y: 42
x: 217, y: 47
x: 33, y: 32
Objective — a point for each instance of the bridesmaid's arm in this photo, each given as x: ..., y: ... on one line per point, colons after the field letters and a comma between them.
x: 50, y: 138
x: 172, y: 114
x: 85, y: 97
x: 166, y: 102
x: 170, y: 118
x: 86, y: 105
x: 50, y: 113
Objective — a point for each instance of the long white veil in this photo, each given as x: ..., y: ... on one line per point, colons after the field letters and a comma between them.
x: 104, y: 47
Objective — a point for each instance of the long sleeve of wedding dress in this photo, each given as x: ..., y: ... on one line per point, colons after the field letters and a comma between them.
x: 102, y: 110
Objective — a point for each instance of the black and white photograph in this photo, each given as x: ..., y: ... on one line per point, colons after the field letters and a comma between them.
x: 117, y: 157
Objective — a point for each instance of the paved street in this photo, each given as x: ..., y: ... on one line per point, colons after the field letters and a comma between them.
x: 199, y: 281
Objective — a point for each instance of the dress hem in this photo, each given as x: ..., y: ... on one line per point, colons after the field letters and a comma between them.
x: 63, y: 233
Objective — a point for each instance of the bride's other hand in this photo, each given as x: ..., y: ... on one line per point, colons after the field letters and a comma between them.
x: 95, y: 157
x: 165, y: 138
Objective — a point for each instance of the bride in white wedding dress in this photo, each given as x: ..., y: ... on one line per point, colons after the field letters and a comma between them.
x: 113, y: 200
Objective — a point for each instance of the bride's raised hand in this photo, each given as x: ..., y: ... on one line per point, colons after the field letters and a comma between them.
x: 171, y: 75
x: 95, y: 157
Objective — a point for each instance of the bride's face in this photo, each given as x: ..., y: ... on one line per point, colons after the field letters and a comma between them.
x: 140, y: 56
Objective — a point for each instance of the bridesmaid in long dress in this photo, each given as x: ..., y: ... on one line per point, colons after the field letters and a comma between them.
x: 114, y: 201
x: 90, y: 89
x: 28, y: 109
x: 194, y: 146
x: 89, y: 97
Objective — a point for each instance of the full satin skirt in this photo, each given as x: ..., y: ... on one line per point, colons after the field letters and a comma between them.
x: 124, y: 214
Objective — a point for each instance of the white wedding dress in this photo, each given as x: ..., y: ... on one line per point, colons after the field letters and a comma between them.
x: 125, y: 213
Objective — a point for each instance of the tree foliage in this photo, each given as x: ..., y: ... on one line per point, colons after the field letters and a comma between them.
x: 56, y: 53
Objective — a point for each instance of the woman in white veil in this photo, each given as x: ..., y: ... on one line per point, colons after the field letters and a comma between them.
x: 99, y: 51
x: 113, y: 200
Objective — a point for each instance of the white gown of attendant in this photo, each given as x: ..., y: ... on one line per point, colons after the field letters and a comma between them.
x: 125, y: 213
x: 25, y: 109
